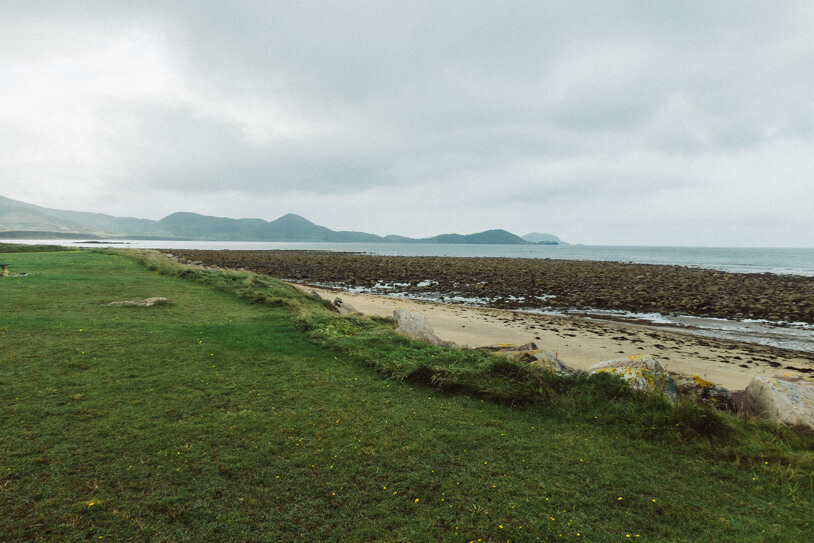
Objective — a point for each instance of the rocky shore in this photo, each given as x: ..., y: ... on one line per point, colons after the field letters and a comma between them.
x: 513, y: 283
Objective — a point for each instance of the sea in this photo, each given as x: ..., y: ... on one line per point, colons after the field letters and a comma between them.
x: 786, y: 261
x: 782, y: 261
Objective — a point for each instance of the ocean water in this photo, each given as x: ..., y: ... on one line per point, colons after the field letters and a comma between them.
x: 731, y: 259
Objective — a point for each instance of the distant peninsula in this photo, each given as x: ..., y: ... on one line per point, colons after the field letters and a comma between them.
x: 20, y: 220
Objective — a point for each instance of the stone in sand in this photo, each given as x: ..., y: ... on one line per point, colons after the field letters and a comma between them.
x: 414, y: 325
x: 784, y: 401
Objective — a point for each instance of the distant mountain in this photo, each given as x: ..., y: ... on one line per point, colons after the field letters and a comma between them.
x: 496, y: 237
x: 15, y: 215
x: 19, y: 220
x: 289, y: 227
x: 543, y: 239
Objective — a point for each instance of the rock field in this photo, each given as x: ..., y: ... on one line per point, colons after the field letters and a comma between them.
x: 513, y: 283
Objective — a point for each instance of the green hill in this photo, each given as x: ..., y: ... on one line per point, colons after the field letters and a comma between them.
x: 20, y: 216
x: 497, y: 237
x: 20, y: 220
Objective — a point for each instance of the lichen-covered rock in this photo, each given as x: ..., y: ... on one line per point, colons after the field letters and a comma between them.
x: 549, y: 361
x: 636, y: 361
x: 531, y: 354
x: 697, y: 389
x: 784, y: 401
x: 414, y: 325
x: 640, y: 372
x: 523, y: 353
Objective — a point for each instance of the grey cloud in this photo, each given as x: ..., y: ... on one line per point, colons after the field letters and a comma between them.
x: 426, y: 60
x: 175, y: 146
x: 548, y: 99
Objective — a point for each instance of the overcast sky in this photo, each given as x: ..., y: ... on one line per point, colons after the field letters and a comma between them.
x: 623, y: 123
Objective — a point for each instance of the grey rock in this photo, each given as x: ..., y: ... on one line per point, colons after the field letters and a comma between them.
x: 530, y: 353
x: 640, y: 372
x: 551, y: 362
x: 785, y: 401
x: 504, y: 348
x: 414, y: 325
x: 147, y: 302
x: 344, y: 308
x: 636, y: 361
x: 697, y: 389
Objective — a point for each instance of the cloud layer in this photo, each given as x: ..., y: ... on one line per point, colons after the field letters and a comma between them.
x: 603, y: 122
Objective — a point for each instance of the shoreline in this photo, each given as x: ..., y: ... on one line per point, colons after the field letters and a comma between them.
x: 582, y: 342
x: 780, y: 335
x: 519, y: 293
x: 540, y: 284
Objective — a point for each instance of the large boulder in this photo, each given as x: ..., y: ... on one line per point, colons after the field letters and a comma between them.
x: 414, y: 325
x: 552, y: 363
x: 640, y: 372
x: 694, y: 388
x: 531, y: 354
x: 784, y: 401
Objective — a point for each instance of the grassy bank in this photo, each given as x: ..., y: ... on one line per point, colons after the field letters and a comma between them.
x: 23, y: 248
x: 246, y: 412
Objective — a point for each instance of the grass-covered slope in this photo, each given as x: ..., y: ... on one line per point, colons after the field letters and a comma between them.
x: 7, y: 248
x: 246, y: 412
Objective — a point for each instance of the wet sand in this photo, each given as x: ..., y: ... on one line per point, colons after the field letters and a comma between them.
x: 580, y: 343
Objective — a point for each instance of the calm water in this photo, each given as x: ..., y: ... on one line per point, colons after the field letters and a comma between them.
x: 740, y: 260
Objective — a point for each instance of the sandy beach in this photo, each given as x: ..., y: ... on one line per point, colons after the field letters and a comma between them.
x: 580, y: 343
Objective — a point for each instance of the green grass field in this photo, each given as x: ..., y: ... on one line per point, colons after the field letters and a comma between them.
x: 247, y: 412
